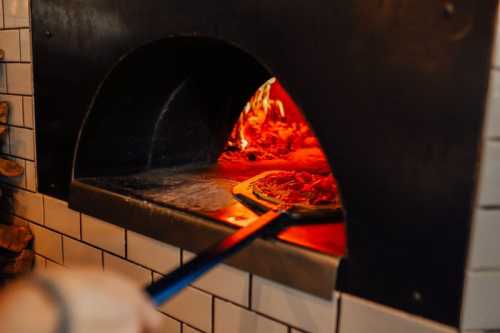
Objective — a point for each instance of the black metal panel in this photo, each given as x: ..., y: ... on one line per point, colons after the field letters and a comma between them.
x: 394, y: 89
x: 170, y: 102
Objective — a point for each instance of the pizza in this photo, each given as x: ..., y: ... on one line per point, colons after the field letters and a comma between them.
x: 293, y: 187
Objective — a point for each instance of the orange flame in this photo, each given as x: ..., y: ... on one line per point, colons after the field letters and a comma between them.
x: 271, y: 127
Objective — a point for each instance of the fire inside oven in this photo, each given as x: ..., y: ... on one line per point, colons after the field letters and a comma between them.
x: 271, y: 145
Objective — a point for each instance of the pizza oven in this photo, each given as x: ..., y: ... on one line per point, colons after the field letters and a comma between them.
x: 381, y: 101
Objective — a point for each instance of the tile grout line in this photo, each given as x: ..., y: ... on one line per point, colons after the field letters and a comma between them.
x: 102, y: 261
x: 81, y: 225
x: 43, y: 208
x: 15, y: 62
x: 13, y: 28
x: 6, y: 78
x: 62, y: 247
x: 339, y: 313
x: 20, y: 50
x: 22, y: 107
x: 14, y: 94
x: 46, y: 258
x: 250, y: 292
x: 213, y: 314
x: 125, y: 235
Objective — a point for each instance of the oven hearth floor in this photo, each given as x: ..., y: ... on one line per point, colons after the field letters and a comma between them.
x: 206, y: 191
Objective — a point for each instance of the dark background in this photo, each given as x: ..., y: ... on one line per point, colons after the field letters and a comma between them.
x: 394, y: 90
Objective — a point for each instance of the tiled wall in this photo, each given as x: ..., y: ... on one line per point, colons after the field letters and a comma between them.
x: 482, y: 293
x: 226, y: 300
x: 16, y: 87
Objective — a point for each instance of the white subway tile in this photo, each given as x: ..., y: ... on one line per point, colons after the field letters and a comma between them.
x: 29, y: 120
x: 28, y: 205
x: 9, y: 43
x: 481, y: 301
x: 16, y: 13
x: 485, y: 247
x: 493, y: 108
x: 40, y: 264
x: 224, y: 281
x: 136, y: 273
x: 191, y: 306
x: 361, y: 316
x: 77, y: 254
x: 104, y: 235
x: 3, y: 77
x: 231, y: 318
x: 15, y: 109
x: 25, y: 39
x: 47, y: 243
x: 169, y: 325
x: 489, y: 187
x: 22, y: 142
x: 19, y: 79
x: 60, y: 218
x: 151, y: 253
x: 188, y: 329
x: 30, y: 172
x: 294, y: 307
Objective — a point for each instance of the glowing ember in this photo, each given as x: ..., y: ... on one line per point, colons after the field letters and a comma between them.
x: 270, y: 127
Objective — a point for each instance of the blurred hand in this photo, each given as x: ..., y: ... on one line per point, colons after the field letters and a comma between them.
x: 98, y: 302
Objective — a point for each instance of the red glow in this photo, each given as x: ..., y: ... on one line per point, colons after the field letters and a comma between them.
x: 272, y: 134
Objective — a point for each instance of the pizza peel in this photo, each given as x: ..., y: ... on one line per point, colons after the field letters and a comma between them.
x: 276, y: 216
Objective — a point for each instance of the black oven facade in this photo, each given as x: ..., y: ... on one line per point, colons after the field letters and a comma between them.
x: 395, y: 91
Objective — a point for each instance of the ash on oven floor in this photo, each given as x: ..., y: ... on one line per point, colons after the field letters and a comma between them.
x: 197, y: 189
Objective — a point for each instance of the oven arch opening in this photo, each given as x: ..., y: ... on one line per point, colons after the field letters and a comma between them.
x: 146, y: 150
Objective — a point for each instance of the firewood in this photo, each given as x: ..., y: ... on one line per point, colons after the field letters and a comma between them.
x: 10, y: 168
x: 22, y: 264
x: 14, y: 238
